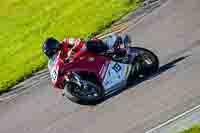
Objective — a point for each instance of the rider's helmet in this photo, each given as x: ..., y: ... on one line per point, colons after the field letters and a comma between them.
x: 50, y: 47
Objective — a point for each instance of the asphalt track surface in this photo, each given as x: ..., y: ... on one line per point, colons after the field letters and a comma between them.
x: 173, y: 33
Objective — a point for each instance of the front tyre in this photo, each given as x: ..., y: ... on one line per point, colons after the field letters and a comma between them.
x: 88, y: 93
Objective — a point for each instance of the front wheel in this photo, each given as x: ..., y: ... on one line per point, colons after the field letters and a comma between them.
x: 86, y: 93
x: 145, y: 63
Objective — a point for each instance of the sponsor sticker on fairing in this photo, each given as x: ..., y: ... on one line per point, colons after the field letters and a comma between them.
x: 102, y: 72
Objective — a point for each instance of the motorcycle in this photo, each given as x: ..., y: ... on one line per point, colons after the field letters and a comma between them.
x: 89, y: 76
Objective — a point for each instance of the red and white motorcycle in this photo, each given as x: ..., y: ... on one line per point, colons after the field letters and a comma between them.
x: 88, y: 76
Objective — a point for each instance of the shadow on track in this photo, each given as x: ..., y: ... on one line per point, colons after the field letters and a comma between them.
x: 138, y: 81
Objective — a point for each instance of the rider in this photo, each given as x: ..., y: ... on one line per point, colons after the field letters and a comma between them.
x: 70, y: 46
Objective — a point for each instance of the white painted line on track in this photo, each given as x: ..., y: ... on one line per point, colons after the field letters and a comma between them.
x: 173, y: 119
x: 141, y: 18
x: 17, y: 93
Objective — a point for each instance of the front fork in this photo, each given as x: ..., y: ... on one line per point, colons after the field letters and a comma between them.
x: 72, y: 77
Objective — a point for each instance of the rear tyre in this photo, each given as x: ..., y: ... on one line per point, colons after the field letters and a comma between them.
x: 145, y: 63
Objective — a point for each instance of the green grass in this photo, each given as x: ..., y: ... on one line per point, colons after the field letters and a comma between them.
x: 24, y: 25
x: 194, y: 129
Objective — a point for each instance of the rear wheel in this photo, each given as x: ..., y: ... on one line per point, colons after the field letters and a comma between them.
x: 86, y: 93
x: 145, y: 63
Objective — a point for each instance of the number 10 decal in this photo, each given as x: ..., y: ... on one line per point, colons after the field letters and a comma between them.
x: 117, y: 67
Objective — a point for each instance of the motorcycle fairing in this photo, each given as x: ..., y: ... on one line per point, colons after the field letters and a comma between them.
x: 116, y: 74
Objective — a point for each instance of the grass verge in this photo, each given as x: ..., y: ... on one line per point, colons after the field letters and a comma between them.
x: 194, y: 129
x: 24, y: 25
